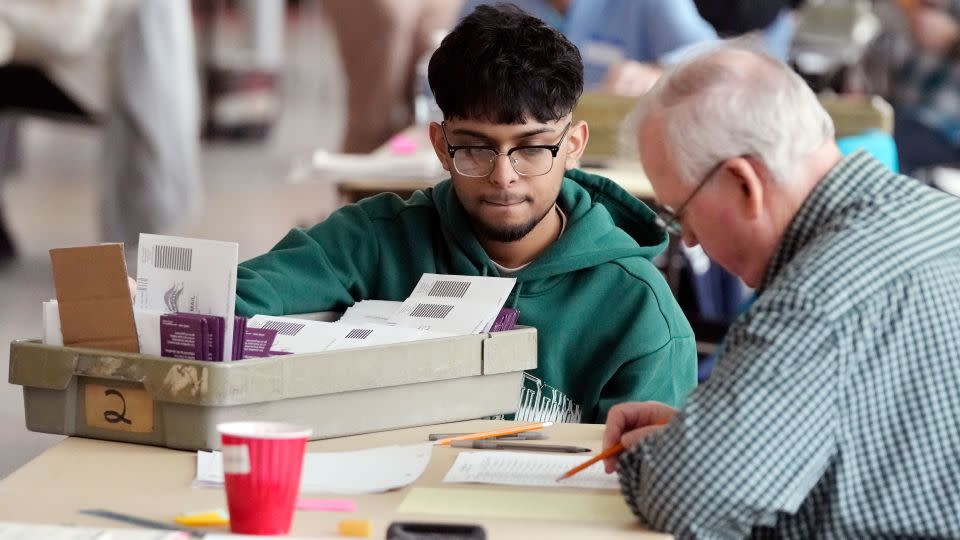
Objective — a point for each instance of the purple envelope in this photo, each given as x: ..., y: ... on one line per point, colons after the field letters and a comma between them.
x: 182, y: 337
x: 257, y: 342
x: 506, y: 320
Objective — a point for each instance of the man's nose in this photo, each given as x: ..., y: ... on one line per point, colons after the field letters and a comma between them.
x: 503, y: 172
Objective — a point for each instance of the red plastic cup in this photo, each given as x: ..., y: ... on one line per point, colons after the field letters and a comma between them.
x: 262, y: 463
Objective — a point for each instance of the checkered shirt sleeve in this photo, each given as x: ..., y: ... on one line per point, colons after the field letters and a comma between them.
x: 833, y: 410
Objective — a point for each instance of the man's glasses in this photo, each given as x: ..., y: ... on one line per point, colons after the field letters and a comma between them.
x: 479, y: 161
x: 668, y: 218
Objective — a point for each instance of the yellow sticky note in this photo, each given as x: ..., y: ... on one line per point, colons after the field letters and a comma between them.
x: 204, y: 519
x: 355, y: 527
x: 608, y: 507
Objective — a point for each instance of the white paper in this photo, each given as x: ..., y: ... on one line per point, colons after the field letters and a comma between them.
x: 454, y: 304
x: 368, y: 335
x: 370, y: 311
x: 296, y: 336
x: 422, y: 166
x: 52, y: 333
x: 148, y: 330
x: 188, y: 275
x: 299, y: 336
x: 373, y: 470
x: 33, y: 531
x: 527, y: 469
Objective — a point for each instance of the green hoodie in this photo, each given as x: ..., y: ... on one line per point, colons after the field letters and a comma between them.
x: 609, y: 329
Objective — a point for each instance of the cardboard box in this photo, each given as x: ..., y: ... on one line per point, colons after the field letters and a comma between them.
x: 178, y: 403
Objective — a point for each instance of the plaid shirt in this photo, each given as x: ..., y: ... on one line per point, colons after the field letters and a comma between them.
x: 833, y: 411
x: 927, y: 88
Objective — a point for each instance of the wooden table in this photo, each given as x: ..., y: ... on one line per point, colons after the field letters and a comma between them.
x: 154, y: 483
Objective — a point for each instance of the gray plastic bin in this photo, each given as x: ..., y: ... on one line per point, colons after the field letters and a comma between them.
x: 178, y: 403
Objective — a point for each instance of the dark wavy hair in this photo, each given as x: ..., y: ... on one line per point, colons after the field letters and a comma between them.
x: 505, y: 66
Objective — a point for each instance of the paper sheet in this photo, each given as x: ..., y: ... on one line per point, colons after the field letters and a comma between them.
x: 32, y: 531
x: 454, y: 304
x: 189, y: 275
x: 527, y: 469
x: 52, y: 334
x: 370, y: 311
x: 606, y: 507
x: 334, y: 166
x: 368, y: 335
x: 373, y: 470
x: 298, y: 336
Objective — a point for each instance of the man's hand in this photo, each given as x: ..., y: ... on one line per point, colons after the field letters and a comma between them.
x: 132, y: 283
x: 629, y: 423
x: 630, y: 78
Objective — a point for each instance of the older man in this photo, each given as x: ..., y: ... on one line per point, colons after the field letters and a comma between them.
x: 833, y: 409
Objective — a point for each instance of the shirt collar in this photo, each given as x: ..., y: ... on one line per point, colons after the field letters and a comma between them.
x: 843, y: 185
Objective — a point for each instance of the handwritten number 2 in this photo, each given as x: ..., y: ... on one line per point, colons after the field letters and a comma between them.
x: 113, y: 416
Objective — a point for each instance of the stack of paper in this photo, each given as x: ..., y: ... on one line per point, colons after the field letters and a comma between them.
x: 33, y: 531
x: 188, y: 275
x: 373, y: 470
x: 370, y: 312
x: 298, y: 336
x: 454, y: 304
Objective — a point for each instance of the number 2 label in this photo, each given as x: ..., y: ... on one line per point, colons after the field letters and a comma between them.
x: 118, y: 408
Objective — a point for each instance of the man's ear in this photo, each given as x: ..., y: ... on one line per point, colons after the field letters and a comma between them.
x: 751, y: 182
x: 439, y: 145
x: 575, y: 143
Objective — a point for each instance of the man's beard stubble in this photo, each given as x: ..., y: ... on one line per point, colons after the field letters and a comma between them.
x: 507, y: 234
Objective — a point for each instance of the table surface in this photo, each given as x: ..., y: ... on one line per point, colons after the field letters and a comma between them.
x: 155, y: 483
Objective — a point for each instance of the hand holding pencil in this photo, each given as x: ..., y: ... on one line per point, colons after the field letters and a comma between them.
x: 629, y: 423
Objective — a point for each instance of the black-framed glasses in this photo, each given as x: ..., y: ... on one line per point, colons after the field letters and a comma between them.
x: 479, y: 161
x: 669, y: 218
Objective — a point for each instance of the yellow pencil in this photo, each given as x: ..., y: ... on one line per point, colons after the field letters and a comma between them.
x: 494, y: 433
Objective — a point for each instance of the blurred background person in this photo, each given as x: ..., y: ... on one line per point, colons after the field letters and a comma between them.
x: 626, y: 43
x: 380, y: 43
x: 774, y: 18
x: 129, y: 66
x: 925, y: 85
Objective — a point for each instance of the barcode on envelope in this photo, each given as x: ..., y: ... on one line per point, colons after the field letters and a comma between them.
x: 359, y: 333
x: 449, y: 289
x: 431, y: 311
x: 284, y: 328
x: 173, y: 258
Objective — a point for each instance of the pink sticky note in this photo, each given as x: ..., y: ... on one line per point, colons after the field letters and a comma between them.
x: 327, y: 505
x: 402, y: 145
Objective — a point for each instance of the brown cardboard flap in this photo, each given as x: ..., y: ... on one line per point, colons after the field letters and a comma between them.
x: 93, y: 297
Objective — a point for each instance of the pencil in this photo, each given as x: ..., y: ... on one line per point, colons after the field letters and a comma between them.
x: 494, y: 433
x: 614, y: 450
x: 609, y: 452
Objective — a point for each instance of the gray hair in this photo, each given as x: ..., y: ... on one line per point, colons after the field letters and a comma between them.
x: 735, y: 101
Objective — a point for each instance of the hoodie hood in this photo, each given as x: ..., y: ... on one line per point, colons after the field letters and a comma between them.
x: 604, y: 223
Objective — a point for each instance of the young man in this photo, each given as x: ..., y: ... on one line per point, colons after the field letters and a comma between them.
x: 832, y: 410
x: 608, y: 327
